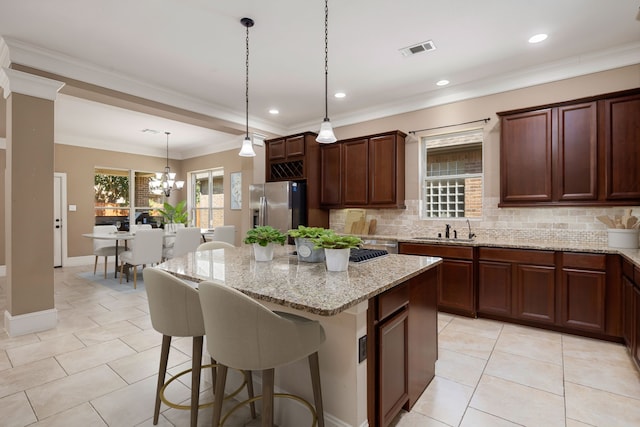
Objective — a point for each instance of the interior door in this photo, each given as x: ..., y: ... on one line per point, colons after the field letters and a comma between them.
x: 57, y: 221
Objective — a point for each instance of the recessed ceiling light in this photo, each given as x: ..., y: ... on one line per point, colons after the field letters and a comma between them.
x: 442, y: 82
x: 537, y: 38
x: 274, y: 111
x: 340, y: 94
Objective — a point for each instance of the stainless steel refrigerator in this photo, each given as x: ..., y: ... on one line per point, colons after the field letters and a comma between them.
x: 281, y: 205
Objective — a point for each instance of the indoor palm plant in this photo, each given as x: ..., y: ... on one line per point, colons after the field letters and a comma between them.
x: 337, y: 249
x: 305, y: 247
x: 263, y: 238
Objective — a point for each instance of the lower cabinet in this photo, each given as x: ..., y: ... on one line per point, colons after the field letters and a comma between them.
x: 456, y: 293
x: 583, y: 293
x: 631, y: 309
x: 517, y: 284
x: 402, y: 346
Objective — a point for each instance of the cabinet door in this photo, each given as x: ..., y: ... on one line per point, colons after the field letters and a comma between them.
x: 456, y: 287
x: 295, y: 146
x: 535, y: 293
x: 355, y: 173
x: 276, y: 150
x: 627, y: 312
x: 583, y: 299
x: 382, y: 170
x: 622, y: 148
x: 494, y: 288
x: 330, y: 174
x: 577, y: 152
x: 635, y: 350
x: 393, y: 364
x: 525, y: 157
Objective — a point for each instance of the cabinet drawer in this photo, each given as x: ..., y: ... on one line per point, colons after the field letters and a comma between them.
x: 586, y: 261
x: 443, y: 251
x: 517, y: 256
x: 392, y: 300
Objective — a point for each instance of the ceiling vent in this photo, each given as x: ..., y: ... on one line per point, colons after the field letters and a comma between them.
x: 418, y: 48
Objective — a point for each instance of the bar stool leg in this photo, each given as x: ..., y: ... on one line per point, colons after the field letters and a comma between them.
x: 267, y: 397
x: 252, y: 405
x: 162, y: 371
x: 314, y: 368
x: 196, y: 362
x: 221, y: 379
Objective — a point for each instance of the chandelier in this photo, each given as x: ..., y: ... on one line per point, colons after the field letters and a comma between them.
x: 164, y: 182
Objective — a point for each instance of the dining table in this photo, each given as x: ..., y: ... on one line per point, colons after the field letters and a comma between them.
x: 117, y: 237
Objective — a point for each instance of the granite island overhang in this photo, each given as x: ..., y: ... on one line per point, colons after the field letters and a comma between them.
x: 339, y: 300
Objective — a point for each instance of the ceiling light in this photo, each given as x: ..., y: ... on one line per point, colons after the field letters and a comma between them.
x: 164, y: 182
x: 340, y: 95
x: 537, y: 38
x: 326, y: 135
x: 247, y: 146
x: 274, y: 111
x: 442, y: 82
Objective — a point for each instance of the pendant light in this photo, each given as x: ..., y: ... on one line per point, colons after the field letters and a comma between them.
x: 247, y: 146
x: 164, y: 182
x: 326, y: 135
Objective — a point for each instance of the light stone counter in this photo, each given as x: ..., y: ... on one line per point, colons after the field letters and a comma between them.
x: 303, y: 286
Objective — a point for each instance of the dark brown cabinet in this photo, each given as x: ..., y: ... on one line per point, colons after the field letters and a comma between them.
x: 518, y: 284
x: 631, y: 310
x: 402, y: 346
x: 582, y: 152
x: 583, y: 292
x: 363, y: 172
x: 456, y: 290
x: 297, y: 158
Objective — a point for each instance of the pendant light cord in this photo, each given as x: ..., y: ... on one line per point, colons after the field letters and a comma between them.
x: 167, y: 133
x: 247, y: 84
x: 326, y: 60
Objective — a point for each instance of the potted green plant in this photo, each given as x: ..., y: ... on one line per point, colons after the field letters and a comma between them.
x: 263, y: 238
x: 174, y: 214
x: 305, y: 248
x: 337, y: 249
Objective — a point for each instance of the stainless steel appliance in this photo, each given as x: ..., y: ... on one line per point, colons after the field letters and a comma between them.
x: 391, y: 246
x: 281, y: 205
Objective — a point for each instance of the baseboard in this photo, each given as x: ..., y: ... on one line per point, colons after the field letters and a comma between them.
x: 23, y: 324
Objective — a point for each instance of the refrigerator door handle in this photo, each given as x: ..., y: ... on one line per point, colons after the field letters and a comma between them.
x: 262, y: 210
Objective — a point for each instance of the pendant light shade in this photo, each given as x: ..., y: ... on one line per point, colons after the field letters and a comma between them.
x: 326, y: 135
x: 247, y: 145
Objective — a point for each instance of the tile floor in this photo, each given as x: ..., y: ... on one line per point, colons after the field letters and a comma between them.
x: 98, y: 368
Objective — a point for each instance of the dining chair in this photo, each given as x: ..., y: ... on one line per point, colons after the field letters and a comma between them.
x: 245, y: 335
x: 214, y: 245
x: 105, y: 248
x: 186, y: 240
x: 147, y: 249
x: 225, y: 233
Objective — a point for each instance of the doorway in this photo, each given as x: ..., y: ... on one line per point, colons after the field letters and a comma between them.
x: 59, y: 218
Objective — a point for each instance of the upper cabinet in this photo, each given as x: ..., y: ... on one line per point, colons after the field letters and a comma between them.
x: 363, y: 172
x: 583, y: 152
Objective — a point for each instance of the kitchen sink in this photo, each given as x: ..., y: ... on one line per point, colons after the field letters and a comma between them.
x: 442, y: 239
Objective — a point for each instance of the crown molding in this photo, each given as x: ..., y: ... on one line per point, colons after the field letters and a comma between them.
x: 28, y: 84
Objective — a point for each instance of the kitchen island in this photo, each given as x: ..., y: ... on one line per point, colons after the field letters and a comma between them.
x: 391, y: 300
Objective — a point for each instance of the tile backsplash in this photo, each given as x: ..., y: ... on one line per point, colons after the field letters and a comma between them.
x: 559, y: 224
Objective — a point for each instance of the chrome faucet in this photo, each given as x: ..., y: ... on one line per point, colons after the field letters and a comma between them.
x: 447, y: 230
x: 471, y: 235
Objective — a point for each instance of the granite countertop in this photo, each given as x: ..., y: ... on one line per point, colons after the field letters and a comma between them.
x: 633, y: 255
x: 303, y: 286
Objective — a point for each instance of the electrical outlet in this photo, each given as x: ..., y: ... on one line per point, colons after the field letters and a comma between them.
x: 362, y: 348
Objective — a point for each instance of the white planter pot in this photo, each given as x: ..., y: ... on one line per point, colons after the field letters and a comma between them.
x: 337, y: 259
x: 263, y: 253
